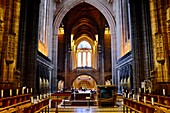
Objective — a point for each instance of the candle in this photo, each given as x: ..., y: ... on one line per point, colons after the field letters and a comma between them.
x: 124, y: 95
x: 133, y: 96
x: 144, y: 89
x: 22, y: 90
x: 152, y: 100
x: 40, y: 96
x: 44, y: 95
x: 149, y: 90
x: 27, y: 90
x: 17, y: 92
x: 31, y: 90
x: 128, y: 96
x: 138, y: 97
x: 164, y: 92
x: 2, y: 93
x: 10, y: 92
x: 32, y: 101
x: 37, y: 98
x: 144, y: 99
x: 139, y: 90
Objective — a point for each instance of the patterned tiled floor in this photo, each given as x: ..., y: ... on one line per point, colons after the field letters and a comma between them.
x: 86, y: 109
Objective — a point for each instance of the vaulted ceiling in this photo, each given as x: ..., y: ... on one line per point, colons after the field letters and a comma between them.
x: 84, y: 19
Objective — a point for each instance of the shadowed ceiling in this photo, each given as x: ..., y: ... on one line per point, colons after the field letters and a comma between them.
x: 84, y: 19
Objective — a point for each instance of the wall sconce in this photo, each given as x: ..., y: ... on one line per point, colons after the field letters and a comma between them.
x: 99, y: 48
x: 168, y: 16
x: 69, y: 49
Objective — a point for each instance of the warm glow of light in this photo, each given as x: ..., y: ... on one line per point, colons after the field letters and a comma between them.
x: 107, y: 30
x: 72, y: 35
x: 61, y: 30
x: 43, y: 48
x: 96, y: 37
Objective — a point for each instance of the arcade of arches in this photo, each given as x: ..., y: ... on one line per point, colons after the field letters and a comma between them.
x: 84, y: 43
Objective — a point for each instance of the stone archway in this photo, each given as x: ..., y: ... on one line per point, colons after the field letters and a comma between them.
x: 84, y: 81
x: 104, y: 8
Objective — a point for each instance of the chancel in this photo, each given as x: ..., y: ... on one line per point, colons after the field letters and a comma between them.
x: 92, y: 55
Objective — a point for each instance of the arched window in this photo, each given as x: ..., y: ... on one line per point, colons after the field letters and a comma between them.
x: 84, y: 54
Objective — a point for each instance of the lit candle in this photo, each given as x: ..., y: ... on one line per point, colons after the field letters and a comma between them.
x: 32, y: 101
x: 22, y: 90
x: 139, y: 90
x: 144, y: 99
x: 164, y: 92
x: 31, y: 90
x: 37, y: 98
x: 138, y: 97
x: 2, y: 93
x: 152, y: 100
x: 133, y: 96
x: 149, y: 90
x: 27, y: 90
x: 124, y: 95
x: 44, y: 95
x: 144, y: 89
x: 40, y: 96
x: 17, y: 92
x: 128, y: 96
x: 10, y: 92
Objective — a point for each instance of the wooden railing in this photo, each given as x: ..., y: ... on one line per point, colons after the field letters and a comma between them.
x: 14, y: 103
x: 148, y: 103
x: 138, y: 107
x: 22, y: 103
x: 42, y: 105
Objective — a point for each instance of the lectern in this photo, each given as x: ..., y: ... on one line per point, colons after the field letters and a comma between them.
x: 106, y: 95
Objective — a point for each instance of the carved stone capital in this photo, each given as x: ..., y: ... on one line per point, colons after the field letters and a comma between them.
x: 110, y: 1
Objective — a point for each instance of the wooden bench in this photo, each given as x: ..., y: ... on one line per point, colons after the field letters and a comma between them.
x: 14, y: 103
x: 138, y: 107
x: 38, y: 107
x: 58, y: 97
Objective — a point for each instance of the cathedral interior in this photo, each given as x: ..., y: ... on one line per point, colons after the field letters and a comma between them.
x: 49, y: 45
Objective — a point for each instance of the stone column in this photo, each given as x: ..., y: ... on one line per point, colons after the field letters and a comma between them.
x: 114, y: 59
x: 54, y: 71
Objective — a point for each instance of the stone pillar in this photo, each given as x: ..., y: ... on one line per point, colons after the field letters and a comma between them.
x: 10, y: 40
x: 113, y: 58
x: 54, y: 71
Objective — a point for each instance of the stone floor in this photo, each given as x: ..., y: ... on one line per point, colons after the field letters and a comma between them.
x: 88, y: 109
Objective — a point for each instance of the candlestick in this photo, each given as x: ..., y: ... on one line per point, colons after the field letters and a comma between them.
x: 144, y: 99
x: 27, y: 90
x: 152, y: 100
x: 40, y: 96
x: 2, y: 93
x: 133, y: 96
x: 139, y: 90
x: 31, y: 90
x: 128, y: 96
x: 17, y: 92
x: 10, y: 92
x: 37, y: 98
x: 32, y: 101
x: 138, y: 97
x: 22, y: 90
x: 164, y: 92
x: 124, y: 95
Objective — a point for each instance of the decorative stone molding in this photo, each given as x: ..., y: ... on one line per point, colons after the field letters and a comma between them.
x: 110, y: 1
x: 58, y: 1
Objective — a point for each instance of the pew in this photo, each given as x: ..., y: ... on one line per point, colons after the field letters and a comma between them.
x: 58, y: 97
x: 161, y: 101
x: 38, y: 107
x: 138, y: 107
x: 14, y: 103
